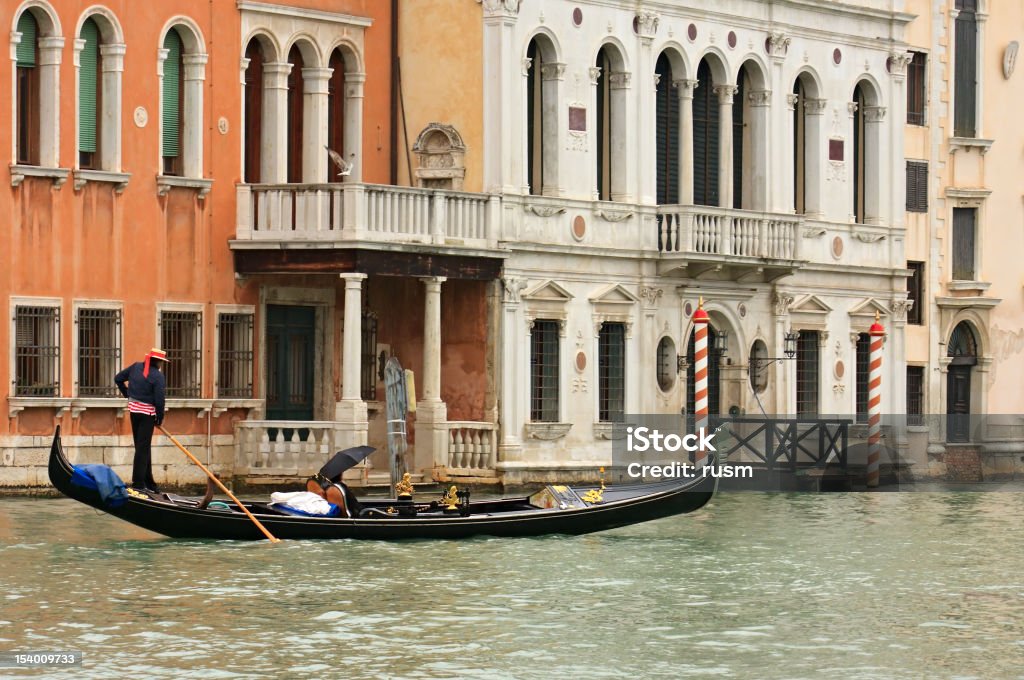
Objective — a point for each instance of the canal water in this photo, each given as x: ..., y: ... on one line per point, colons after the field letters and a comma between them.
x: 907, y: 585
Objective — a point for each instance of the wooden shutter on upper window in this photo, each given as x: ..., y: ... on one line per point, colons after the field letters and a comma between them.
x: 171, y: 97
x: 88, y: 87
x: 917, y: 186
x: 26, y: 53
x: 965, y: 72
x: 667, y: 134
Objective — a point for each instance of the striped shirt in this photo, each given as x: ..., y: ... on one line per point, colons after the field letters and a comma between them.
x: 141, y: 407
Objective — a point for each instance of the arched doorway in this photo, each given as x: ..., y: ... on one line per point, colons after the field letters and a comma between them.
x: 714, y: 375
x: 962, y: 351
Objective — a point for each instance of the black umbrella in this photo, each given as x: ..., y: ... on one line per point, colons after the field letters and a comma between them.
x: 343, y: 460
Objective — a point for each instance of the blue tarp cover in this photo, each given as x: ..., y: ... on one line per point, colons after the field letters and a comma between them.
x: 301, y: 513
x: 103, y: 479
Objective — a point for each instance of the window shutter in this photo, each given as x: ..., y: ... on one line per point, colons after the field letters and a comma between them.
x: 737, y: 140
x: 965, y: 74
x: 29, y: 33
x: 88, y: 86
x: 171, y: 127
x: 963, y: 244
x: 917, y: 186
x: 667, y: 133
x: 705, y: 139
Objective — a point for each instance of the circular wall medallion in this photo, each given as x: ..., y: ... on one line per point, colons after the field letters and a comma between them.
x: 688, y: 309
x: 732, y: 39
x: 742, y: 309
x: 222, y: 125
x: 691, y: 32
x: 837, y: 247
x: 141, y: 116
x: 577, y: 17
x: 837, y: 56
x: 840, y: 369
x: 581, y: 362
x: 579, y: 227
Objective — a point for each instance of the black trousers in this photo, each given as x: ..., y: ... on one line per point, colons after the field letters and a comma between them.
x: 142, y: 433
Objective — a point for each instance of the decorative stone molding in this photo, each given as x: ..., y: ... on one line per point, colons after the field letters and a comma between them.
x: 898, y: 62
x: 552, y: 71
x: 852, y: 108
x: 164, y: 184
x: 20, y: 172
x: 608, y: 431
x: 500, y: 8
x: 595, y: 73
x: 545, y: 210
x: 815, y: 232
x: 792, y: 100
x: 651, y: 295
x: 874, y: 114
x: 868, y: 237
x: 513, y: 288
x: 685, y: 87
x: 441, y: 156
x: 547, y: 431
x: 835, y: 171
x: 647, y: 24
x: 619, y: 81
x: 1010, y: 59
x: 526, y: 66
x: 579, y: 385
x: 613, y: 215
x: 782, y: 302
x: 725, y: 93
x: 778, y: 45
x: 118, y: 179
x: 815, y: 107
x: 760, y: 97
x: 900, y: 309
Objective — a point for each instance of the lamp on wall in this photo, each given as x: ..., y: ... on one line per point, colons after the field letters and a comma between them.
x: 721, y: 343
x: 757, y: 364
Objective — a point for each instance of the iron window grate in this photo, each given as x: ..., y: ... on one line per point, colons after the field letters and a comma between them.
x: 863, y: 371
x: 544, y: 372
x: 807, y: 369
x: 181, y: 336
x: 915, y: 395
x: 99, y: 351
x: 37, y: 351
x: 611, y: 372
x: 368, y: 378
x: 234, y: 355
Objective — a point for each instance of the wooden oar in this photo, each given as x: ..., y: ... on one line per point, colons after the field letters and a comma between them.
x: 223, y: 488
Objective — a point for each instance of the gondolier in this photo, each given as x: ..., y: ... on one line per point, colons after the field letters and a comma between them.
x: 144, y: 385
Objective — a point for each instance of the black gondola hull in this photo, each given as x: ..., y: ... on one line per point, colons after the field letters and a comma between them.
x: 508, y: 517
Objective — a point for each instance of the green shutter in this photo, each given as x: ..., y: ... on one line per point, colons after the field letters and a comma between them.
x: 88, y: 86
x: 29, y: 32
x: 171, y: 140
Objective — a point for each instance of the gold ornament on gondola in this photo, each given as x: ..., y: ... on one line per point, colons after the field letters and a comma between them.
x: 404, y: 488
x: 451, y: 499
x: 593, y: 496
x: 601, y: 470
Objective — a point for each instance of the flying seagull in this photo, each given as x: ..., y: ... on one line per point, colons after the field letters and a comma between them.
x: 344, y: 167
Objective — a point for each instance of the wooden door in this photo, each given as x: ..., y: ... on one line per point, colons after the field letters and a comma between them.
x: 291, y: 336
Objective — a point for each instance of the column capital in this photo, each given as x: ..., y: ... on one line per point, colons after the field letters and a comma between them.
x: 685, y: 87
x: 647, y: 24
x: 500, y: 8
x: 431, y: 281
x: 595, y: 73
x: 760, y: 97
x: 792, y: 100
x: 619, y: 81
x: 815, y: 107
x: 777, y: 45
x: 874, y: 114
x: 552, y: 71
x: 898, y: 62
x: 353, y: 280
x: 725, y: 93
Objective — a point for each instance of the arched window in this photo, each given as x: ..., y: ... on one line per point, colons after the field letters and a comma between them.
x: 534, y: 120
x: 27, y: 84
x: 604, y: 126
x: 172, y: 99
x: 859, y: 149
x: 295, y: 115
x: 739, y: 112
x: 90, y: 96
x: 667, y: 134
x: 336, y: 113
x: 253, y: 111
x: 799, y: 146
x: 962, y: 351
x: 705, y: 138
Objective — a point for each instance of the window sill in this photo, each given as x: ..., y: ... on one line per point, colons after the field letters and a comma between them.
x: 547, y: 431
x: 975, y: 286
x: 968, y: 143
x: 118, y: 179
x: 20, y: 172
x: 77, y: 405
x: 215, y: 406
x: 605, y: 430
x: 164, y: 183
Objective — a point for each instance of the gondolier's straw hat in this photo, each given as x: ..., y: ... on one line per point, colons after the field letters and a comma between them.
x: 154, y: 354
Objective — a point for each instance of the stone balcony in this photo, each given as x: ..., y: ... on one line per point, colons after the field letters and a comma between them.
x: 691, y: 241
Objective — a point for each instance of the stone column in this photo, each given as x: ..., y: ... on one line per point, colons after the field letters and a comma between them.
x: 431, y: 411
x: 274, y: 154
x: 194, y: 124
x: 511, y: 371
x: 50, y: 50
x: 109, y: 120
x: 875, y: 148
x: 760, y: 108
x: 784, y: 371
x: 353, y: 131
x: 644, y: 127
x: 314, y: 124
x: 725, y: 184
x: 551, y: 142
x: 685, y: 88
x: 350, y: 413
x: 815, y: 157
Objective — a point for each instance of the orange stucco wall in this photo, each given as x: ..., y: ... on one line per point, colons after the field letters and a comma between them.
x: 138, y: 248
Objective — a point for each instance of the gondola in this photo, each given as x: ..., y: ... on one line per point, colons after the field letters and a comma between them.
x: 570, y: 510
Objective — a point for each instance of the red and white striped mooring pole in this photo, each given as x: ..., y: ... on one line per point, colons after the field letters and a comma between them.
x: 700, y: 374
x: 877, y: 333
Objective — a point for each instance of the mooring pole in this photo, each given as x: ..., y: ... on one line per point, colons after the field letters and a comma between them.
x: 877, y: 333
x: 700, y: 375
